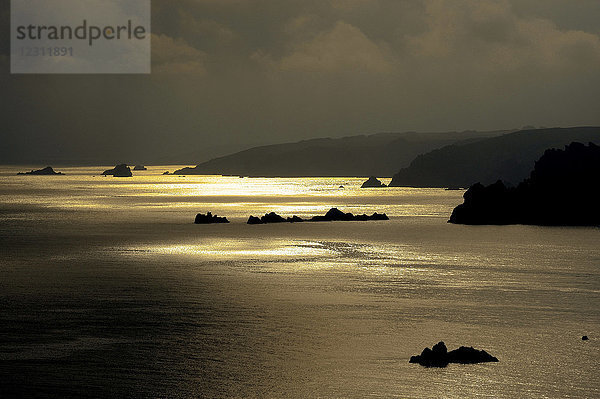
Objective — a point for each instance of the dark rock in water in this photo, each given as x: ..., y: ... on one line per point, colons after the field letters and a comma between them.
x: 273, y: 218
x: 254, y: 220
x: 121, y: 170
x: 373, y: 182
x: 140, y: 167
x: 335, y: 214
x: 584, y: 338
x: 166, y: 173
x: 562, y: 190
x: 47, y: 171
x: 439, y: 356
x: 209, y: 218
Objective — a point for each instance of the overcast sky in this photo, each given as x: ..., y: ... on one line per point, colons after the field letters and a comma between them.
x: 243, y: 72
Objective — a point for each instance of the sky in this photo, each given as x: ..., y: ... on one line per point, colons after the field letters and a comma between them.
x: 229, y: 74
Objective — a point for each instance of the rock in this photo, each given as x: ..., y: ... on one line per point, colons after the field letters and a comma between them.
x: 563, y: 190
x: 584, y: 338
x: 439, y: 356
x: 373, y: 182
x: 273, y: 218
x: 333, y: 214
x: 121, y: 170
x: 209, y: 218
x: 166, y: 173
x: 47, y: 171
x: 140, y: 167
x: 254, y: 220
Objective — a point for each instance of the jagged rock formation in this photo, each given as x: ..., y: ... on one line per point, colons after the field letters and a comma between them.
x: 121, y: 170
x: 333, y: 214
x: 47, y: 171
x: 562, y: 190
x: 509, y: 157
x: 209, y: 218
x: 439, y: 356
x: 373, y: 182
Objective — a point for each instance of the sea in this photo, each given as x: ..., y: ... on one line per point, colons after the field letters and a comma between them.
x: 108, y: 289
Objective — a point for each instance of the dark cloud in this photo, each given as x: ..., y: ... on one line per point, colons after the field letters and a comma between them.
x: 229, y: 73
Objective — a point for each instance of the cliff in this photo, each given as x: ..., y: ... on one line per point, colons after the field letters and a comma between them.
x: 562, y: 190
x: 509, y: 157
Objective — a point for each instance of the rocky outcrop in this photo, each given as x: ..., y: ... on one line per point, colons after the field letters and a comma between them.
x: 47, y: 171
x: 273, y: 218
x: 439, y: 356
x: 562, y: 190
x: 140, y: 167
x: 121, y: 170
x: 373, y: 182
x: 333, y: 214
x: 209, y: 218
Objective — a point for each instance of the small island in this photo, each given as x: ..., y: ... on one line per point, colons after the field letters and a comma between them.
x: 333, y: 214
x: 209, y: 218
x: 563, y: 190
x: 47, y: 171
x: 373, y: 182
x: 439, y: 356
x: 121, y: 170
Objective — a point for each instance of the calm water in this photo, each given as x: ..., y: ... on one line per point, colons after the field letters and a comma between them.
x: 108, y: 289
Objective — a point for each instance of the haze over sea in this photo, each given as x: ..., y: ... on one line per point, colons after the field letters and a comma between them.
x: 107, y: 288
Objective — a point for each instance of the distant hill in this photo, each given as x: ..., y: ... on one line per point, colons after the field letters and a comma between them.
x: 509, y: 157
x: 375, y: 155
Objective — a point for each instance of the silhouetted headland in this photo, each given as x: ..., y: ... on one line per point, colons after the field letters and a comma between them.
x: 373, y: 182
x: 439, y: 356
x: 209, y: 218
x: 140, y: 167
x: 332, y: 215
x: 47, y: 171
x: 562, y: 190
x: 379, y: 154
x: 509, y: 157
x: 121, y: 170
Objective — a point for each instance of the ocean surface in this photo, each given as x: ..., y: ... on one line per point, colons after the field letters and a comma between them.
x: 108, y: 289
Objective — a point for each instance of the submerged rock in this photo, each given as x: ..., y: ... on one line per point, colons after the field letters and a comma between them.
x: 47, y: 171
x: 121, y: 170
x: 584, y: 338
x: 373, y: 182
x: 209, y: 218
x: 439, y: 356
